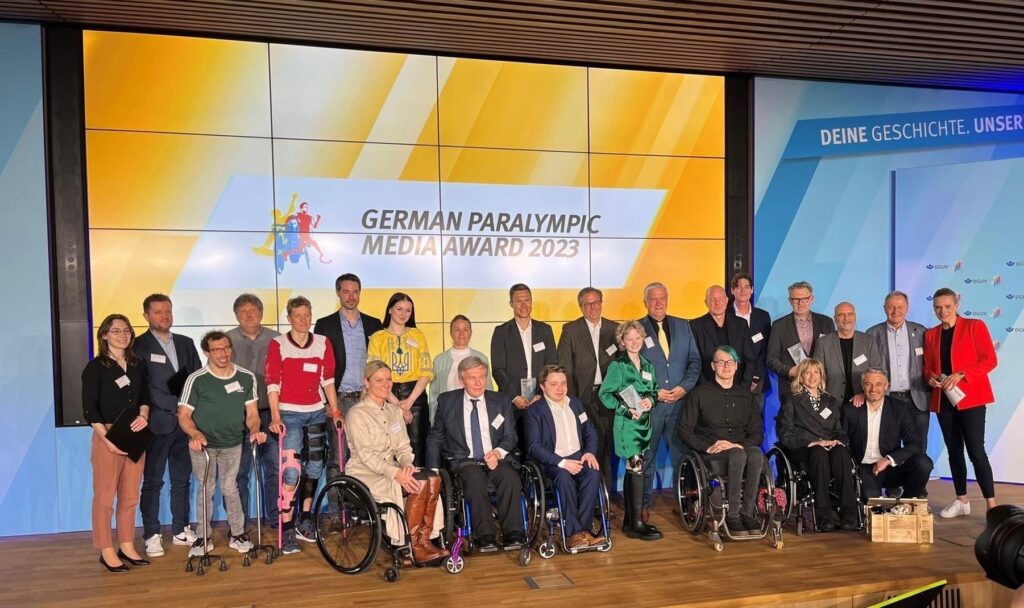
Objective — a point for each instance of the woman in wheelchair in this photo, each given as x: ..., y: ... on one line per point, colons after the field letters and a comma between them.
x: 630, y: 389
x: 808, y: 426
x: 722, y: 423
x: 381, y: 457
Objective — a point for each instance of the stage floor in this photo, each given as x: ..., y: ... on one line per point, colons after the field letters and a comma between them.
x: 819, y: 569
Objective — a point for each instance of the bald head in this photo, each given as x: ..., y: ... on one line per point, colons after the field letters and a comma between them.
x: 846, y: 319
x: 716, y: 301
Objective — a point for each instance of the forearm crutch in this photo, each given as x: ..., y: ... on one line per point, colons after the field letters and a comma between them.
x: 203, y: 561
x: 268, y: 550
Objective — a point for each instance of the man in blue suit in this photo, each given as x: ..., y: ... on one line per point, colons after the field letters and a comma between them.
x: 170, y: 359
x: 670, y: 346
x: 476, y: 428
x: 563, y: 440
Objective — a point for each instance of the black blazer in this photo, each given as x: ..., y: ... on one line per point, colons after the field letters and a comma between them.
x: 448, y: 435
x: 330, y: 326
x: 783, y: 336
x: 897, y: 436
x: 508, y: 360
x: 798, y: 424
x: 738, y: 336
x: 576, y: 354
x: 540, y: 432
x: 760, y: 332
x: 164, y: 383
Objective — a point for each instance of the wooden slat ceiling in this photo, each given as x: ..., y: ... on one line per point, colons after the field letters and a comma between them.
x: 944, y: 43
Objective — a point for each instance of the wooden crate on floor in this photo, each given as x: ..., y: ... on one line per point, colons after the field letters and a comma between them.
x: 914, y: 526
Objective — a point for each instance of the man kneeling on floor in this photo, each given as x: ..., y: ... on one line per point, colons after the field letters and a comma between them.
x: 218, y: 403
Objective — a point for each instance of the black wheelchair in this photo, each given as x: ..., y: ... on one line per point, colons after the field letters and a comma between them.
x: 551, y: 498
x: 350, y: 528
x: 792, y: 478
x: 458, y: 529
x: 701, y: 493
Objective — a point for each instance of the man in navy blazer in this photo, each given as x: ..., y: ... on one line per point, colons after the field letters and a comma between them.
x: 170, y: 359
x: 562, y: 440
x: 884, y: 441
x: 670, y: 346
x: 475, y: 428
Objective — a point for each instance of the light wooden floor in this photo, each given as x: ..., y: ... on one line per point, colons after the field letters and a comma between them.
x: 678, y: 570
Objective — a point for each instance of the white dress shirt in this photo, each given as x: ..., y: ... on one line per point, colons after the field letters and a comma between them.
x: 745, y: 317
x: 485, y: 429
x: 527, y: 337
x: 567, y: 440
x: 872, y: 453
x: 595, y: 337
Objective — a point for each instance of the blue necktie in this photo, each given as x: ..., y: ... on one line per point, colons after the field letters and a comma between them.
x: 474, y: 428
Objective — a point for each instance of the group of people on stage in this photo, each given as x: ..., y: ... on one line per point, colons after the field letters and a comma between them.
x: 604, y: 390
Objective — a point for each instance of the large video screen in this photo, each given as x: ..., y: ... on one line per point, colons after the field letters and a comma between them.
x: 217, y: 167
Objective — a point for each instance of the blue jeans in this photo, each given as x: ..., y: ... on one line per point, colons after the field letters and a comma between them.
x: 268, y: 457
x: 664, y: 423
x: 168, y: 451
x: 294, y: 423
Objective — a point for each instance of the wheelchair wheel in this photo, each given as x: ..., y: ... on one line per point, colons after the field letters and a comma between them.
x: 691, y: 493
x: 454, y: 566
x: 547, y: 549
x: 533, y: 495
x: 769, y: 502
x: 779, y: 466
x: 348, y: 526
x: 450, y: 506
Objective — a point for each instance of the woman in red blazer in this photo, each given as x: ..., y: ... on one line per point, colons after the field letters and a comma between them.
x: 958, y: 353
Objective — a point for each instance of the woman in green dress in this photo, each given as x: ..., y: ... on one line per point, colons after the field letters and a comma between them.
x: 630, y: 389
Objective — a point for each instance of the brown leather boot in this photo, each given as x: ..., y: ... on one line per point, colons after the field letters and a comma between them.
x: 415, y: 504
x: 432, y: 488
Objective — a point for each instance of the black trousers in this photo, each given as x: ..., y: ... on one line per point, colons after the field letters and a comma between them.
x: 824, y: 466
x: 966, y: 428
x: 921, y: 418
x: 419, y: 427
x: 743, y: 466
x: 603, y: 419
x: 508, y: 490
x: 912, y: 476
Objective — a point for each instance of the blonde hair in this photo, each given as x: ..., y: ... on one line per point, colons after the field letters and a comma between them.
x: 797, y: 384
x: 625, y: 328
x: 372, y: 367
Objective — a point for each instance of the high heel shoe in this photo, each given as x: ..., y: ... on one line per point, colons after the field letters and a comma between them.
x: 121, y: 568
x: 132, y: 561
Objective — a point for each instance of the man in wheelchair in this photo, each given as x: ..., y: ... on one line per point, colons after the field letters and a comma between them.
x: 721, y: 422
x: 562, y: 440
x: 885, y: 443
x: 474, y: 429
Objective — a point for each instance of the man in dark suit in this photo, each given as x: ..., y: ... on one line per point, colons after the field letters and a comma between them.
x: 585, y: 349
x: 170, y: 359
x: 846, y: 354
x: 794, y: 336
x: 759, y: 323
x: 719, y: 329
x: 348, y: 331
x: 884, y: 441
x: 476, y: 429
x: 520, y: 347
x: 901, y: 343
x: 670, y: 347
x: 562, y: 440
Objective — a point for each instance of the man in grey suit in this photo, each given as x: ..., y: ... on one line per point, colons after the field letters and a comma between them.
x: 901, y: 343
x: 585, y: 349
x: 846, y: 355
x: 794, y: 336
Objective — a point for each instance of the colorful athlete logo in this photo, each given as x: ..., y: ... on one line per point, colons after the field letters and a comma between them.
x: 291, y: 236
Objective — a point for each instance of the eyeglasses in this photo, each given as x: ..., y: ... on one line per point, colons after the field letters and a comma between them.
x: 592, y: 304
x: 725, y: 363
x: 119, y: 332
x: 802, y: 300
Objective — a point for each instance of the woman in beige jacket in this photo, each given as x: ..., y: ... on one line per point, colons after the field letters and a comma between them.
x: 382, y: 459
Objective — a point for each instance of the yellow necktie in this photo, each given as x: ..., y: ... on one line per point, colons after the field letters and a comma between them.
x: 662, y: 338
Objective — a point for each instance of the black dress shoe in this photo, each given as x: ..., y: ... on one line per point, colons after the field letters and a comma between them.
x: 121, y: 568
x: 486, y: 543
x: 514, y: 538
x: 134, y: 562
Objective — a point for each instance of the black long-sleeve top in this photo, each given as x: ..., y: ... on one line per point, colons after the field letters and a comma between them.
x: 713, y: 413
x: 102, y: 399
x: 801, y: 422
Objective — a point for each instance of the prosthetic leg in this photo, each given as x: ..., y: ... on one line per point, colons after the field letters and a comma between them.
x: 203, y: 561
x: 259, y: 547
x: 287, y: 460
x: 633, y: 489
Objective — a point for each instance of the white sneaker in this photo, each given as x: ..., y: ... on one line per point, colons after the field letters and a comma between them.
x: 956, y: 509
x: 154, y: 546
x: 185, y: 537
x: 241, y: 543
x: 197, y: 548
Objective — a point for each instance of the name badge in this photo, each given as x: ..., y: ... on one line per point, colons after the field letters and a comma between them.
x: 919, y: 351
x: 825, y: 413
x: 646, y: 376
x: 860, y: 360
x: 649, y: 342
x: 122, y: 382
x: 412, y: 343
x: 395, y: 428
x: 496, y: 423
x: 610, y: 350
x: 821, y: 335
x: 583, y: 417
x: 234, y: 387
x: 539, y: 346
x: 756, y: 338
x: 309, y: 367
x: 155, y: 358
